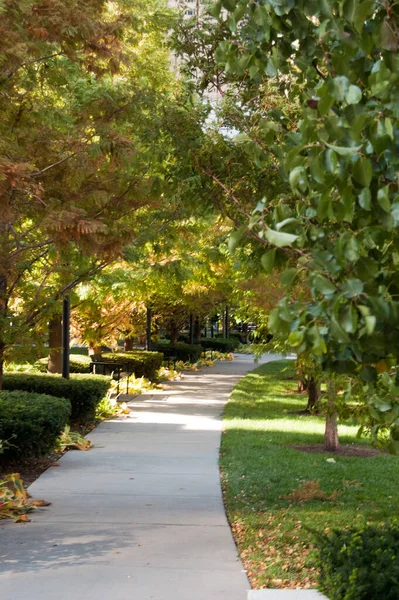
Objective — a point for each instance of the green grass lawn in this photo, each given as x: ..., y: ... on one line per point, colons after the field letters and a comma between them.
x: 260, y: 468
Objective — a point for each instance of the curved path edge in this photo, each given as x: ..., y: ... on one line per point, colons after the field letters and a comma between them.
x: 141, y: 515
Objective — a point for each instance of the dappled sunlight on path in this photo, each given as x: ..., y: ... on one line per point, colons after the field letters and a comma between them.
x: 141, y: 515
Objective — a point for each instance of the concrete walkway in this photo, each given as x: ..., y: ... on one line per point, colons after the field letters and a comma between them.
x: 140, y: 516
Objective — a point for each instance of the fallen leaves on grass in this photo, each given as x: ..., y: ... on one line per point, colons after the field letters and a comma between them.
x: 266, y: 552
x: 310, y: 490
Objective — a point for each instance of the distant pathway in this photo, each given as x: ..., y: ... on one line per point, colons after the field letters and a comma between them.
x: 140, y: 516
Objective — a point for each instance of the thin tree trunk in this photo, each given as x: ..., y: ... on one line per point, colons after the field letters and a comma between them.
x: 1, y: 364
x: 128, y: 344
x: 313, y: 394
x: 55, y: 344
x: 197, y: 330
x: 3, y: 314
x: 331, y: 442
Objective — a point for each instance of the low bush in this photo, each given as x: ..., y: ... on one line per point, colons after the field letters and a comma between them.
x: 360, y: 563
x: 79, y: 351
x: 222, y: 345
x: 139, y: 362
x: 32, y: 422
x: 180, y: 351
x: 83, y: 391
x: 78, y: 364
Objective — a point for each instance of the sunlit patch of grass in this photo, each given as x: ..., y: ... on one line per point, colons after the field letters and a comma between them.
x: 260, y: 469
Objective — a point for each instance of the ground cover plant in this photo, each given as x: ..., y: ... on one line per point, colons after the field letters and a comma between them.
x: 274, y: 491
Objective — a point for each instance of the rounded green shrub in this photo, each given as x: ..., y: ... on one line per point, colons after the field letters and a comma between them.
x: 139, y: 362
x: 360, y: 563
x: 31, y: 422
x: 83, y: 391
x: 180, y: 351
x: 78, y: 364
x: 222, y: 345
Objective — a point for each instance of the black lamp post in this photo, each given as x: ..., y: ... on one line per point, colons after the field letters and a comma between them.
x: 66, y: 321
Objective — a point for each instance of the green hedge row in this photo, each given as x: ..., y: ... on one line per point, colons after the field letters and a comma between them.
x: 139, y: 362
x: 83, y: 391
x: 78, y: 364
x: 180, y: 351
x: 360, y: 563
x: 31, y: 423
x: 222, y: 345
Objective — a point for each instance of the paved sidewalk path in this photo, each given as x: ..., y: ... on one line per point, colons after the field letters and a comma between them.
x: 140, y: 516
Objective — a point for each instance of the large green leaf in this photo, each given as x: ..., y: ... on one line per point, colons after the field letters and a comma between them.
x: 363, y: 171
x: 280, y: 238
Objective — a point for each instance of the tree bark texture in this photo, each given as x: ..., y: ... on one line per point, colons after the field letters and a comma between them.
x: 55, y: 344
x: 95, y: 353
x: 313, y: 394
x: 3, y: 316
x: 128, y: 344
x: 331, y: 442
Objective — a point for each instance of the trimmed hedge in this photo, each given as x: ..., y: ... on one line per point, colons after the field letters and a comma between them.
x: 360, y: 563
x: 79, y: 351
x: 140, y: 362
x: 31, y: 422
x: 179, y: 350
x: 78, y: 364
x: 84, y: 391
x: 222, y: 345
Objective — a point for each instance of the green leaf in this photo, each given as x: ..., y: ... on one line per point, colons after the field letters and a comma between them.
x: 354, y: 95
x: 340, y: 88
x: 337, y: 332
x: 331, y: 161
x: 348, y: 318
x: 268, y: 260
x: 365, y: 199
x: 383, y: 199
x: 350, y: 247
x: 288, y: 276
x: 363, y: 171
x: 295, y: 338
x: 324, y: 285
x: 235, y: 238
x: 216, y: 9
x: 271, y: 70
x: 370, y: 322
x: 278, y: 325
x: 280, y: 238
x: 344, y: 150
x: 363, y: 12
x: 352, y: 288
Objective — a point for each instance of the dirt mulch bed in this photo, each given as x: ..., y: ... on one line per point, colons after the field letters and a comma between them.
x: 30, y: 470
x: 344, y: 450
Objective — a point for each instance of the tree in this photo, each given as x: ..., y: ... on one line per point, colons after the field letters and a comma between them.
x: 337, y: 231
x: 79, y: 152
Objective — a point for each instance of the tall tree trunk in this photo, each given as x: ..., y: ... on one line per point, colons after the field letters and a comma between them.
x: 313, y: 394
x: 128, y: 344
x: 3, y: 315
x: 331, y: 442
x: 173, y: 331
x: 2, y: 347
x: 55, y: 344
x: 197, y: 330
x: 95, y: 353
